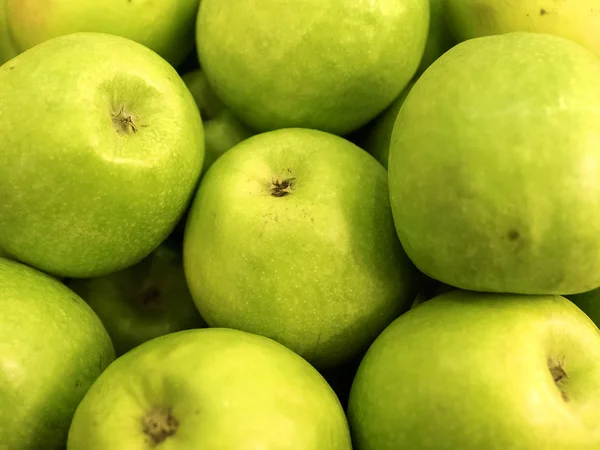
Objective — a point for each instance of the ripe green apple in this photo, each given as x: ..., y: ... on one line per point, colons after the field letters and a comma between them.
x: 52, y: 347
x: 102, y: 148
x: 165, y: 26
x: 376, y: 136
x: 331, y: 65
x: 439, y: 39
x: 475, y: 371
x: 589, y: 303
x: 222, y: 130
x: 144, y: 301
x: 576, y: 20
x: 209, y: 389
x: 291, y: 236
x: 7, y: 47
x: 493, y: 166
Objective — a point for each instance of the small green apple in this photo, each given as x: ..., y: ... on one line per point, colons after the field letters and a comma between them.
x: 144, y: 301
x: 331, y: 65
x: 102, y: 148
x: 291, y: 236
x: 7, y: 47
x: 376, y: 136
x: 222, y: 130
x: 210, y: 389
x: 165, y: 26
x: 439, y: 39
x: 492, y: 167
x: 52, y: 347
x: 576, y: 20
x: 475, y: 371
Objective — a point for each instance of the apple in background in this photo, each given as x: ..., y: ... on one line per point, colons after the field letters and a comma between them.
x: 144, y: 301
x: 576, y: 20
x: 492, y: 174
x: 102, y: 150
x: 165, y: 26
x: 7, y: 47
x: 476, y: 371
x: 222, y: 130
x: 209, y: 389
x: 291, y: 236
x: 589, y: 303
x: 331, y: 65
x: 439, y: 39
x: 52, y: 347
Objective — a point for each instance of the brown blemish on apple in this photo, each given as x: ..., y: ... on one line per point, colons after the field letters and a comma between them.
x: 159, y: 424
x: 124, y: 122
x: 543, y: 12
x: 513, y: 235
x: 559, y: 375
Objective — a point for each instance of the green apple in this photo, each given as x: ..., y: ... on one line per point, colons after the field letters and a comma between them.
x: 331, y: 65
x: 210, y: 389
x: 439, y: 39
x: 7, y: 47
x: 165, y: 26
x: 102, y: 148
x: 52, y: 347
x: 589, y: 303
x: 291, y: 236
x: 222, y: 130
x: 376, y: 136
x: 492, y: 166
x: 475, y: 371
x: 144, y: 301
x: 576, y: 20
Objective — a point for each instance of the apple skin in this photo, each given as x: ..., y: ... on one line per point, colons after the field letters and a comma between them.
x: 439, y: 39
x: 52, y: 347
x: 165, y: 26
x: 320, y: 269
x: 84, y: 193
x: 222, y: 130
x: 475, y: 371
x: 220, y: 388
x: 575, y: 20
x: 331, y: 66
x: 492, y: 177
x: 144, y: 301
x: 7, y: 47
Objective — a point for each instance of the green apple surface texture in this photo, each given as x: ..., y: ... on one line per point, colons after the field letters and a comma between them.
x: 439, y: 39
x: 52, y: 347
x: 493, y: 178
x: 291, y: 236
x: 210, y: 389
x: 222, y: 130
x: 165, y: 26
x: 330, y: 65
x: 144, y: 301
x: 7, y: 47
x: 475, y: 371
x: 577, y: 20
x: 376, y: 137
x: 102, y: 149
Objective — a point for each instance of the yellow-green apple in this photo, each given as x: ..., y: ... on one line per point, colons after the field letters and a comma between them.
x: 475, y: 371
x: 331, y: 65
x: 493, y: 178
x: 439, y: 39
x: 102, y: 149
x: 210, y: 389
x: 291, y: 236
x: 144, y: 301
x: 52, y: 347
x: 165, y: 26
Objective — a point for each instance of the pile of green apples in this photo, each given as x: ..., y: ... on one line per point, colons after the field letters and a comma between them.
x: 299, y: 225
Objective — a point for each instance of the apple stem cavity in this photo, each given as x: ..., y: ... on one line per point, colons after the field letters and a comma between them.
x: 159, y: 424
x: 124, y: 122
x: 559, y: 375
x: 281, y: 187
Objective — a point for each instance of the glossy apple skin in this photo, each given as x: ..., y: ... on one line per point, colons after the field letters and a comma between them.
x: 102, y: 152
x: 208, y: 389
x: 485, y: 371
x: 52, y: 347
